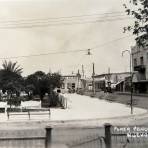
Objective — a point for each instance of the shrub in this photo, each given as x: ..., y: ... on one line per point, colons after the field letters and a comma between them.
x: 16, y: 101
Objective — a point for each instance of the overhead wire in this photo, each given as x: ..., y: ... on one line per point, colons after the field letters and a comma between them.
x: 102, y: 45
x: 58, y: 20
x: 69, y: 20
x: 109, y: 42
x: 117, y: 13
x: 47, y: 22
x: 65, y: 52
x: 42, y: 54
x: 65, y: 23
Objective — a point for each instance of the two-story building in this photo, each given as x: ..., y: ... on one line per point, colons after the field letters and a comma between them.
x: 140, y: 68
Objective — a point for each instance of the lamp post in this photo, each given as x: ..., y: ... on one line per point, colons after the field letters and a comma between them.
x: 93, y: 74
x: 93, y: 82
x: 131, y: 103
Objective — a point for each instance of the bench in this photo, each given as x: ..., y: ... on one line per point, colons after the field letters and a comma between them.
x: 29, y: 112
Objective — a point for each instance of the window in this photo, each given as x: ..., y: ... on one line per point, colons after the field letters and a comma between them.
x: 68, y: 85
x: 63, y: 86
x: 98, y: 85
x: 135, y: 62
x: 141, y: 61
x: 73, y: 85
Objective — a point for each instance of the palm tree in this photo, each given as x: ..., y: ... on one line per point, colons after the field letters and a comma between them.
x: 12, y: 67
x: 11, y: 80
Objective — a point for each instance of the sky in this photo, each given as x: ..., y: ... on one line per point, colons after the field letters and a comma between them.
x: 32, y: 27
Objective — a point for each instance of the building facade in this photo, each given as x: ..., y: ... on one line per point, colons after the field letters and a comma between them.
x: 140, y: 68
x: 113, y: 81
x: 86, y: 84
x: 71, y: 82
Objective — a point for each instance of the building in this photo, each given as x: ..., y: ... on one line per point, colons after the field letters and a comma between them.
x: 113, y: 81
x: 71, y: 82
x: 86, y: 84
x: 140, y: 68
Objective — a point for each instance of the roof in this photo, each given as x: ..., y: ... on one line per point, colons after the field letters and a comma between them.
x: 101, y: 75
x: 87, y: 79
x: 70, y: 76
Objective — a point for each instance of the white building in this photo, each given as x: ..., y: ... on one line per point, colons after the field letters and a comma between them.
x: 71, y: 82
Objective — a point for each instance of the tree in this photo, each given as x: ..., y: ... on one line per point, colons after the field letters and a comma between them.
x: 29, y: 88
x: 12, y: 67
x: 10, y: 77
x: 54, y: 80
x: 139, y: 11
x: 38, y: 83
x: 11, y: 80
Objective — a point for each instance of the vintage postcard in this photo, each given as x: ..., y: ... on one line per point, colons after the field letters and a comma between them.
x: 73, y: 73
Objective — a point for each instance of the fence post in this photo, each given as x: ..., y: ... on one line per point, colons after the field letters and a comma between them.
x: 48, y: 137
x: 108, y: 142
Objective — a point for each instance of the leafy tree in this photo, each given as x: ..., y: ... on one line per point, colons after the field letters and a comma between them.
x: 54, y: 80
x: 29, y: 88
x: 139, y: 11
x: 40, y: 83
x: 37, y: 83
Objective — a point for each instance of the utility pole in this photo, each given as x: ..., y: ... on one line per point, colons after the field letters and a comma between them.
x: 109, y: 81
x: 131, y: 77
x: 93, y: 73
x: 93, y: 82
x: 78, y: 75
x: 83, y: 71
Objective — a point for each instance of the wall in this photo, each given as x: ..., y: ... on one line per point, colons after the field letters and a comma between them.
x: 136, y: 54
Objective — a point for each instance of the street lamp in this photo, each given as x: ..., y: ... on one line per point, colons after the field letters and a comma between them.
x: 88, y: 52
x: 93, y: 74
x: 93, y: 77
x: 131, y: 103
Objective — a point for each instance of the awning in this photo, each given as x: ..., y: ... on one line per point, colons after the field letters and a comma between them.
x: 119, y: 82
x: 141, y: 81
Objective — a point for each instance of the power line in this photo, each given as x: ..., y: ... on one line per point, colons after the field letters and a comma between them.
x: 58, y: 20
x: 77, y: 65
x: 63, y: 23
x: 42, y: 54
x: 64, y: 52
x: 104, y: 44
x: 116, y: 13
x: 101, y: 45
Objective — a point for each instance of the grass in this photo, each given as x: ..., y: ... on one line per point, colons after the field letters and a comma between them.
x: 138, y: 101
